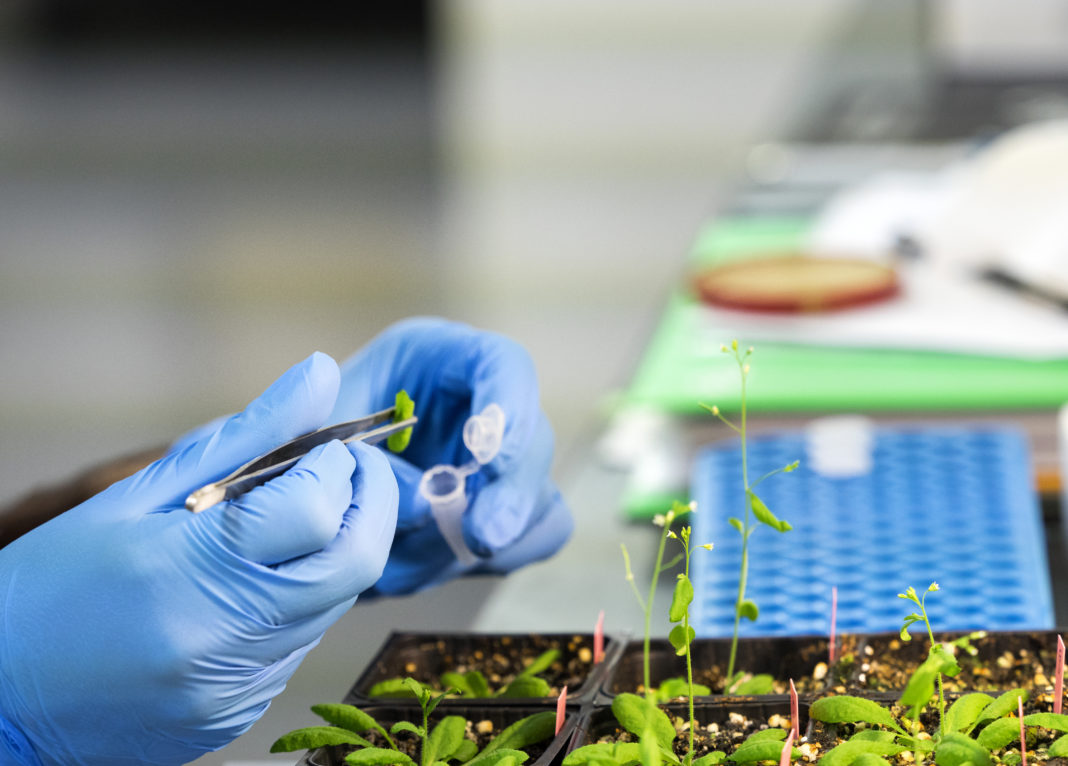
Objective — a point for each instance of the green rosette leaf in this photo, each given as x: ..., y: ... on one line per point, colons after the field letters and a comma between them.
x: 958, y: 749
x: 312, y: 737
x: 541, y: 663
x: 524, y: 732
x: 526, y: 686
x: 965, y: 712
x: 847, y: 709
x: 636, y: 714
x: 378, y: 756
x: 445, y: 738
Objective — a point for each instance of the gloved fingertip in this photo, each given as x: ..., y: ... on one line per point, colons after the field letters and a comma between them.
x: 321, y: 375
x: 317, y: 371
x: 333, y: 455
x: 331, y: 466
x: 370, y: 459
x: 319, y: 363
x: 375, y: 487
x: 311, y: 385
x: 292, y: 515
x: 324, y: 370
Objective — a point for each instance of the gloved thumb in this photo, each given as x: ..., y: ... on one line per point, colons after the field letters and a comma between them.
x: 293, y: 514
x: 298, y: 402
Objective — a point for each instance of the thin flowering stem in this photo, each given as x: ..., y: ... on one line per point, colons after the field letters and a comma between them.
x: 921, y: 602
x: 930, y: 635
x: 1023, y: 732
x: 689, y: 658
x: 681, y: 636
x: 743, y: 574
x: 661, y: 520
x: 714, y: 409
x: 756, y: 512
x: 652, y: 593
x: 630, y: 577
x: 769, y: 474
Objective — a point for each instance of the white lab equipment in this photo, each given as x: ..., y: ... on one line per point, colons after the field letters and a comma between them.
x: 444, y: 486
x: 840, y: 446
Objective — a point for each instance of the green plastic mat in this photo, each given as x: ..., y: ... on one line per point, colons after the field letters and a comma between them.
x: 683, y: 366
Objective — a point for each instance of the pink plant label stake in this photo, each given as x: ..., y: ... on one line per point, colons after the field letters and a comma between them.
x: 561, y: 708
x: 795, y: 725
x: 831, y: 651
x: 787, y: 750
x: 1023, y: 740
x: 598, y: 639
x: 1058, y: 678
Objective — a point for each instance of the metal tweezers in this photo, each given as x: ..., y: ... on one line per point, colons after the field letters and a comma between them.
x: 370, y: 429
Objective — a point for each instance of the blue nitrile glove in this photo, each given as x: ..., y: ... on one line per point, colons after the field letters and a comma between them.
x: 516, y: 514
x: 133, y: 631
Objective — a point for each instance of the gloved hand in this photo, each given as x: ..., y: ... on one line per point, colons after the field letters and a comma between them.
x: 133, y: 631
x: 516, y: 515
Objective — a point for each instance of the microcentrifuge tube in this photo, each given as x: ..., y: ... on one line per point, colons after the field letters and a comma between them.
x: 444, y: 486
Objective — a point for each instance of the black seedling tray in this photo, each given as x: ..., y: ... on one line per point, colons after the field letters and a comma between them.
x: 599, y: 721
x: 589, y: 714
x: 1036, y: 649
x: 782, y: 657
x: 500, y: 716
x: 425, y: 656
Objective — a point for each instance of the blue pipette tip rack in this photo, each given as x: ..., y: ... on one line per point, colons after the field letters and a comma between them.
x: 952, y: 505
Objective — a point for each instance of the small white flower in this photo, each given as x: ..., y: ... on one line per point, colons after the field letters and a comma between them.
x: 932, y: 586
x: 693, y: 506
x: 659, y: 520
x: 707, y: 546
x: 672, y: 535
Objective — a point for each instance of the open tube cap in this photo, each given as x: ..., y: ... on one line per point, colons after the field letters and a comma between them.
x: 484, y: 432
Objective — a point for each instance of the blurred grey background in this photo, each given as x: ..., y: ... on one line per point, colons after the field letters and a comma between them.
x: 188, y: 207
x: 193, y: 200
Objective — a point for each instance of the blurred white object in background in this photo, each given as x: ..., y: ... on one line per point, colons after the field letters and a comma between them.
x: 1003, y: 210
x: 869, y: 219
x: 992, y: 37
x: 840, y: 446
x: 1003, y: 207
x: 1009, y: 208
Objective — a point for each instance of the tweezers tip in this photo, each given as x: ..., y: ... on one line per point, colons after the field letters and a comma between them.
x: 204, y: 498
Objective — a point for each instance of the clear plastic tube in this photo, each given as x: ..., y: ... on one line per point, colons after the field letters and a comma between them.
x: 444, y: 486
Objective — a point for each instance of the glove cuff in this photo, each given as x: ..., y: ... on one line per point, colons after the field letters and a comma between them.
x: 15, y: 749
